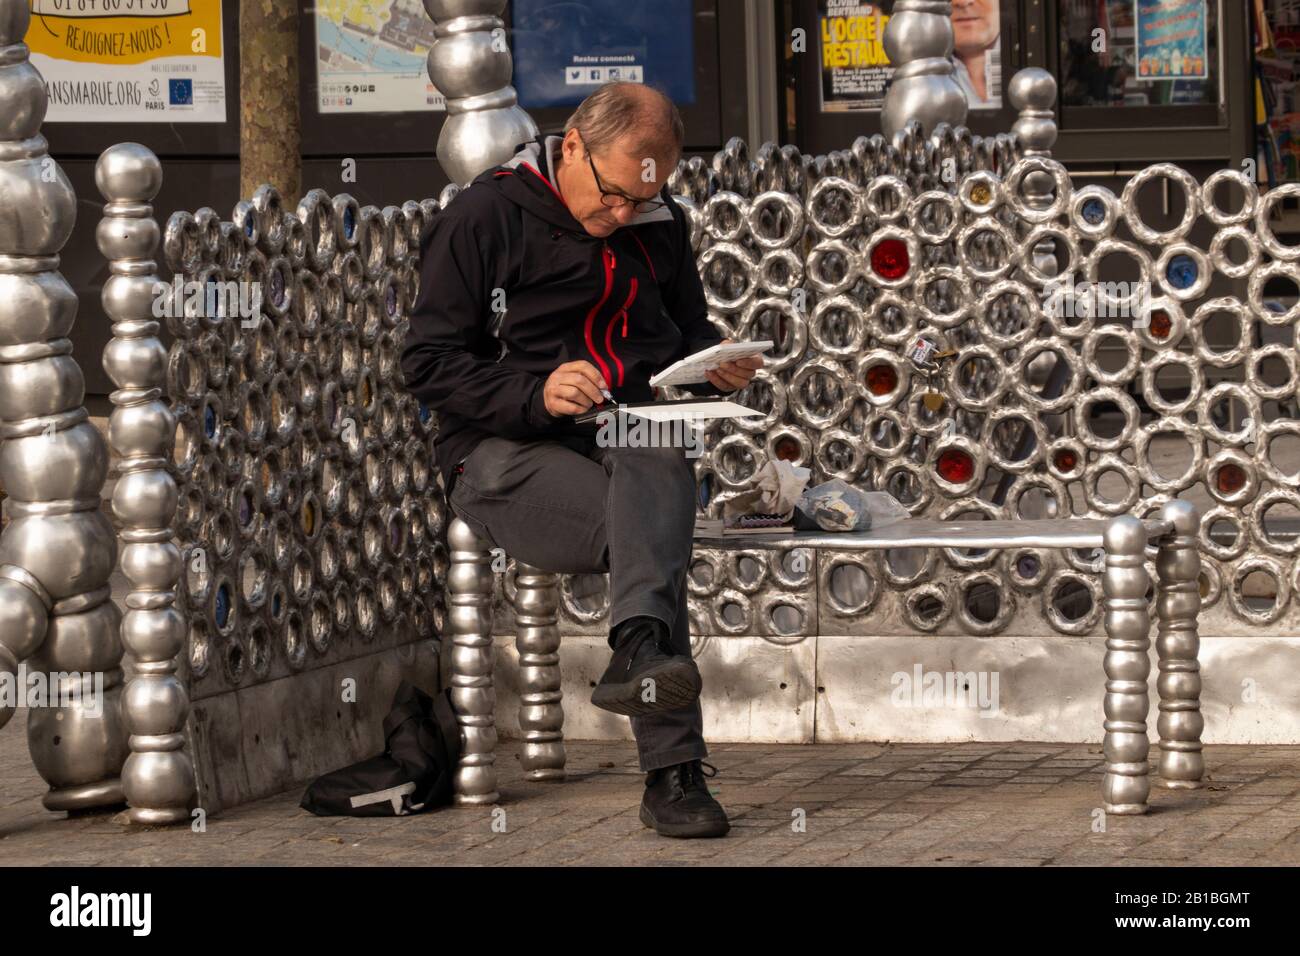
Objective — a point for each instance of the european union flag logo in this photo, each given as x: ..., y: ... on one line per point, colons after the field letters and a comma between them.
x: 180, y: 92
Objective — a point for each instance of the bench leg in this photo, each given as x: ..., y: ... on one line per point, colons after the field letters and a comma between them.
x: 541, y: 712
x: 1126, y: 783
x: 473, y: 697
x: 1178, y: 602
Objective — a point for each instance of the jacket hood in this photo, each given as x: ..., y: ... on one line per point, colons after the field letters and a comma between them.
x: 532, y: 186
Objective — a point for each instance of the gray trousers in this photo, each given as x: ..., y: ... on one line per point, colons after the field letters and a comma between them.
x: 568, y: 505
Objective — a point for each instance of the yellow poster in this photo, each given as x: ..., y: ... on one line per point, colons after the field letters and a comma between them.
x: 855, y: 69
x: 130, y: 61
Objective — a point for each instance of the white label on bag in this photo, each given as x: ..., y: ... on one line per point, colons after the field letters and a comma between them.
x: 394, y: 794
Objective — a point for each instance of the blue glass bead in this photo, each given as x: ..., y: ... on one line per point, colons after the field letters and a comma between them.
x: 1182, y: 272
x: 222, y: 607
x: 1094, y: 212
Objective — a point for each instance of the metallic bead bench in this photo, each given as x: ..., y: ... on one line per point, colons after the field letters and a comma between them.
x: 1127, y: 664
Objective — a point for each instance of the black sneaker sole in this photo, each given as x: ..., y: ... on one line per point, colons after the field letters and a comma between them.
x: 700, y: 828
x: 677, y: 685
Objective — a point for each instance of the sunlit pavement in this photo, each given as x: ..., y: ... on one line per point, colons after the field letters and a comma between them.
x: 917, y: 804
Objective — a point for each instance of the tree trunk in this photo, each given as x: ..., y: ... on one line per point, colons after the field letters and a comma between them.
x: 270, y: 131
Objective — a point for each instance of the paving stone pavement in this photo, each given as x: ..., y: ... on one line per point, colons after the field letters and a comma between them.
x: 1018, y: 804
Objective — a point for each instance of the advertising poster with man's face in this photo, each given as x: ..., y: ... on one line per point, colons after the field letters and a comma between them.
x: 977, y: 51
x: 855, y: 71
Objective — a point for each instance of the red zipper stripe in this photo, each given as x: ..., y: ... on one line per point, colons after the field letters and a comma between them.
x: 609, y: 329
x: 529, y: 167
x: 609, y: 347
x: 591, y: 316
x: 647, y: 256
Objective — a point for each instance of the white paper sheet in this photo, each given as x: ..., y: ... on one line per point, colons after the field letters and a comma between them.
x: 690, y: 370
x: 692, y: 411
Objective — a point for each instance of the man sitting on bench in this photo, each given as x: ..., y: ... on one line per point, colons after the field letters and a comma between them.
x: 572, y: 256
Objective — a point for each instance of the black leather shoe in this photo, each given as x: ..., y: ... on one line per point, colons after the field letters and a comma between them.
x: 644, y: 675
x: 677, y: 802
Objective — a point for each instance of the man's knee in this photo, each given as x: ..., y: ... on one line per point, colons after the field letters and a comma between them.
x: 667, y: 458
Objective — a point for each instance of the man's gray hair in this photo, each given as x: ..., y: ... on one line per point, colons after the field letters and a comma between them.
x: 635, y: 110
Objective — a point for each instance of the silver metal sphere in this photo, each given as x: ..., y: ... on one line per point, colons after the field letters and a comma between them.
x: 154, y: 706
x: 23, y: 619
x: 85, y: 642
x: 474, y: 141
x: 1184, y: 516
x: 35, y: 306
x: 69, y: 463
x: 153, y: 635
x: 69, y: 554
x: 121, y: 237
x: 23, y: 92
x: 42, y: 386
x: 39, y: 213
x: 1032, y: 89
x: 128, y: 172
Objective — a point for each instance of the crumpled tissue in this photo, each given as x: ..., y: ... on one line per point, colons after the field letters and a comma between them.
x: 777, y: 488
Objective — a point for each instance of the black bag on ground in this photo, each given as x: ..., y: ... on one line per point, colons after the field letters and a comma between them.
x: 414, y: 772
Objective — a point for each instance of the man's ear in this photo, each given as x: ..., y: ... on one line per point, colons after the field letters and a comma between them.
x: 571, y: 144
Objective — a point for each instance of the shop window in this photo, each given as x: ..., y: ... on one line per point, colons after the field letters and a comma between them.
x: 1141, y: 56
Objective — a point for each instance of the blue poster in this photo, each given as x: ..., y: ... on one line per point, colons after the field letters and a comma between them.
x: 564, y: 49
x: 1171, y: 40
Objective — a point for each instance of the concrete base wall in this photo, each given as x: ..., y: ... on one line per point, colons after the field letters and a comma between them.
x: 839, y: 689
x: 254, y: 741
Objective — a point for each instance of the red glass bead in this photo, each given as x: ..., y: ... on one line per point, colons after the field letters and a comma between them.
x: 955, y: 466
x: 1161, y: 325
x: 881, y: 379
x: 1230, y: 478
x: 787, y: 449
x: 1065, y: 461
x: 889, y: 259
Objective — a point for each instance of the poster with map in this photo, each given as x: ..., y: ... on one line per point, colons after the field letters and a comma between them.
x: 130, y: 61
x: 370, y: 57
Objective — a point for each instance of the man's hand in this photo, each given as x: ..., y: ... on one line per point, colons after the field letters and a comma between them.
x: 573, y: 388
x: 734, y: 374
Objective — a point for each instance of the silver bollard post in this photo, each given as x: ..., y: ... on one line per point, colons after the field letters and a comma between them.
x: 471, y: 66
x: 1033, y: 92
x: 919, y: 41
x: 158, y: 776
x: 58, y: 551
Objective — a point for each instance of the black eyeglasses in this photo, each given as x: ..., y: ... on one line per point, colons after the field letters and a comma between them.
x: 615, y: 199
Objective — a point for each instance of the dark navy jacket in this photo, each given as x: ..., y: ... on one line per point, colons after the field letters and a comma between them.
x: 630, y: 304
